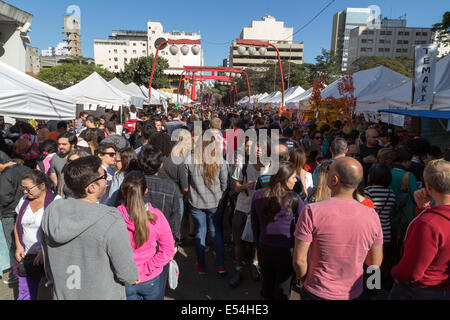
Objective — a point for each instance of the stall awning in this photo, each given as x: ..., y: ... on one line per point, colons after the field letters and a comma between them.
x: 434, y: 114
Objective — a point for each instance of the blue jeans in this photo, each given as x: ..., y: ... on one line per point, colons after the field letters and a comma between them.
x: 205, y: 219
x: 402, y: 291
x: 152, y: 289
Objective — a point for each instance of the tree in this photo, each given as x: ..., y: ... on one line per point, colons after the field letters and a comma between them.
x: 443, y: 28
x: 327, y: 64
x: 138, y: 70
x: 402, y: 64
x: 71, y: 71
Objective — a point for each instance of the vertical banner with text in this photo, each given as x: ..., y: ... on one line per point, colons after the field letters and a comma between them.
x: 424, y: 73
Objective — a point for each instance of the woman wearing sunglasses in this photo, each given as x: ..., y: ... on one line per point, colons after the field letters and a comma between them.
x: 38, y: 195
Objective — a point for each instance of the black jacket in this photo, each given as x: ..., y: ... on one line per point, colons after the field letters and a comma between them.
x: 10, y: 191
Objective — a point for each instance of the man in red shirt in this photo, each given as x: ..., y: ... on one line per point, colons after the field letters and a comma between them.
x: 423, y: 271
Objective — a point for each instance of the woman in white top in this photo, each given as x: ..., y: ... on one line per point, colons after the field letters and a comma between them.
x: 298, y: 158
x: 38, y: 195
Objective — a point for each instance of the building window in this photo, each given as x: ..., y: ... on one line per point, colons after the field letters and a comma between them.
x: 369, y: 49
x: 115, y: 59
x: 425, y: 34
x: 363, y: 49
x: 116, y: 67
x: 387, y: 49
x: 134, y: 44
x: 380, y: 49
x: 404, y: 50
x: 134, y: 51
x: 153, y: 32
x: 125, y: 59
x: 124, y: 51
x: 115, y: 50
x: 143, y: 52
x: 381, y: 40
x: 363, y: 40
x: 418, y: 33
x: 398, y: 50
x: 369, y: 40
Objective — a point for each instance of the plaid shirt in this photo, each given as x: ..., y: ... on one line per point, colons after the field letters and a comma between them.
x: 201, y: 196
x: 163, y: 195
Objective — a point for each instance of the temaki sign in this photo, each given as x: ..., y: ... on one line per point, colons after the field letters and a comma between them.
x: 424, y: 72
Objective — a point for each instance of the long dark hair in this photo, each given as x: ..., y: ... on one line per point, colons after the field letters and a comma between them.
x: 276, y: 195
x: 38, y: 177
x: 129, y: 160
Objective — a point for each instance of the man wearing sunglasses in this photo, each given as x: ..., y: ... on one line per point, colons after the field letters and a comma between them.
x: 107, y: 154
x: 86, y: 247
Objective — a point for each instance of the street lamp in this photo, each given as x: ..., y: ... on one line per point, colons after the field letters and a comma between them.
x: 262, y: 45
x: 174, y: 50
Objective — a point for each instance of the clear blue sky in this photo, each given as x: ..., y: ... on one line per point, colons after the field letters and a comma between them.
x: 218, y: 21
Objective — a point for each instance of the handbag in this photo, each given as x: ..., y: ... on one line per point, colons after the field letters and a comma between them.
x: 247, y: 234
x: 174, y: 272
x: 27, y: 269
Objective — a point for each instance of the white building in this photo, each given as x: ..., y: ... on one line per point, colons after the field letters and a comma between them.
x: 267, y: 29
x: 343, y: 22
x: 386, y: 41
x: 123, y: 45
x: 14, y: 27
x: 60, y: 50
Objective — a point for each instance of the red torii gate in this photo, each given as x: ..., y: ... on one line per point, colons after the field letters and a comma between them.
x: 212, y: 76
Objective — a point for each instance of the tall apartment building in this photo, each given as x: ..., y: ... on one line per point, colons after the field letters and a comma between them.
x: 386, y: 41
x: 60, y: 50
x: 123, y: 45
x: 343, y: 22
x: 267, y: 29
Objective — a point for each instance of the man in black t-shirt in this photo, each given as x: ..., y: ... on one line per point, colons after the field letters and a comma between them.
x: 368, y: 151
x: 90, y: 124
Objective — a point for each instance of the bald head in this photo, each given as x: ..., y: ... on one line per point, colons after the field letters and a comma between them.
x: 346, y: 172
x: 371, y: 137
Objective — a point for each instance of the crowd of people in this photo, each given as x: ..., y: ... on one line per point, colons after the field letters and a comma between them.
x: 99, y: 209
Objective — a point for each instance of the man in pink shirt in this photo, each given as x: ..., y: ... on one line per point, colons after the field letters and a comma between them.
x: 339, y: 235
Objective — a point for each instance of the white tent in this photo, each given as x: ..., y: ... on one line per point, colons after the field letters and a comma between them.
x: 293, y: 100
x: 291, y: 92
x: 267, y: 98
x: 366, y: 82
x: 136, y: 97
x: 22, y: 96
x: 94, y: 90
x: 157, y: 98
x: 399, y: 96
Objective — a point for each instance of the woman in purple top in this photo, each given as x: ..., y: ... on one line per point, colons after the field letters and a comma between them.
x: 274, y: 212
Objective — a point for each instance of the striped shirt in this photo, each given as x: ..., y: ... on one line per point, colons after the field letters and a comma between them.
x: 383, y: 200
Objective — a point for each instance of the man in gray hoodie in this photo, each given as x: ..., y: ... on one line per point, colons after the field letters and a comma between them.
x: 86, y: 244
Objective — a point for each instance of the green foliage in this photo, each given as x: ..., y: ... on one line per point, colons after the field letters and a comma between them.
x: 402, y: 64
x: 138, y: 70
x: 72, y: 71
x: 443, y: 28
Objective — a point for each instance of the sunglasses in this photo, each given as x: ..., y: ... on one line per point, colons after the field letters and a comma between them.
x: 318, y: 138
x: 103, y: 177
x: 111, y: 154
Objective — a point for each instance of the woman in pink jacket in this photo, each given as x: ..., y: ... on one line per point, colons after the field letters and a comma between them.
x: 147, y: 228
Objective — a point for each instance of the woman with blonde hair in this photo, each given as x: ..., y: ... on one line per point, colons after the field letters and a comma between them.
x: 321, y: 191
x: 150, y: 237
x: 208, y: 177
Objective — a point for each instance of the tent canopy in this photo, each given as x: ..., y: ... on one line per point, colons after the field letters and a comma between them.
x: 97, y: 91
x: 136, y: 97
x: 22, y: 96
x: 399, y: 96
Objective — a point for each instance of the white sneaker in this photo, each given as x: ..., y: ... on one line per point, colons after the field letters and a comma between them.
x: 11, y: 280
